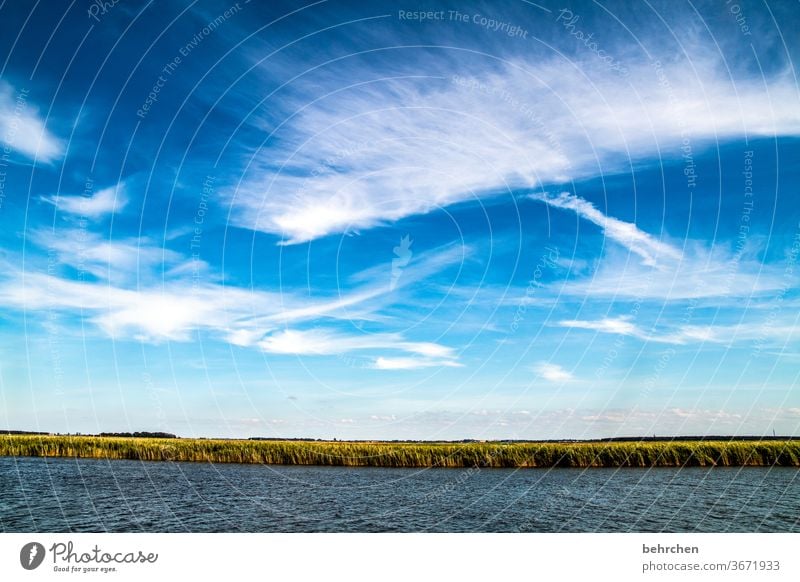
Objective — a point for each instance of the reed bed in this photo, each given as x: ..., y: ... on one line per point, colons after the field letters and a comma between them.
x: 727, y: 453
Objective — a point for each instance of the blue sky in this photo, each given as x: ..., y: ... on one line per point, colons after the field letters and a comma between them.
x: 500, y: 220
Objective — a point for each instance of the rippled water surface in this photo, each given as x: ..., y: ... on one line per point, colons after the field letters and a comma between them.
x: 62, y: 495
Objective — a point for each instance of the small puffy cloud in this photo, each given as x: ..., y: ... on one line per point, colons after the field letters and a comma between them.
x: 552, y: 372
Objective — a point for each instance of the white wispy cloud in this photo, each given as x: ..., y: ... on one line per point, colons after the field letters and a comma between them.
x: 101, y: 203
x: 458, y: 137
x: 129, y: 301
x: 759, y: 331
x: 22, y: 128
x: 382, y: 363
x: 614, y: 325
x: 149, y: 292
x: 120, y: 261
x: 665, y: 272
x: 552, y: 372
x: 650, y: 249
x: 420, y: 266
x: 324, y: 342
x: 702, y: 273
x: 374, y: 289
x: 169, y: 312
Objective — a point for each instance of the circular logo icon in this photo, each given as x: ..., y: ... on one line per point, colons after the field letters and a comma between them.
x: 31, y: 555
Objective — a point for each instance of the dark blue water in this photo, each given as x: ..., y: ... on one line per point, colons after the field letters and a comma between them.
x: 62, y: 495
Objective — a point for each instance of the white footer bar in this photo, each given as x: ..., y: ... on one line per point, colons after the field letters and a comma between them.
x: 400, y: 557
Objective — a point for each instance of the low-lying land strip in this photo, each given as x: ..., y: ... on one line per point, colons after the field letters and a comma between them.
x: 669, y: 453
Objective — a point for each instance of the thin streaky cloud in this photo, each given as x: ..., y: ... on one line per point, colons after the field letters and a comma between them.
x: 627, y: 234
x: 761, y: 331
x: 383, y: 363
x: 324, y: 342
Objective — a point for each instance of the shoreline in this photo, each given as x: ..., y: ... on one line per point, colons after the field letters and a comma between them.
x: 585, y: 454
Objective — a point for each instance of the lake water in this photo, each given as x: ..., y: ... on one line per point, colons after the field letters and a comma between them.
x: 62, y: 495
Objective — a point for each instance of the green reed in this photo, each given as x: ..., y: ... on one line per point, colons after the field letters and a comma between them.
x: 410, y: 454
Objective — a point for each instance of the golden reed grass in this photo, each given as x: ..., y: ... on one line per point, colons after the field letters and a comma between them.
x: 726, y: 453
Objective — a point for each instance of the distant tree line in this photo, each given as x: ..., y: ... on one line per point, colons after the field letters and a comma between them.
x: 632, y: 439
x: 147, y: 435
x: 282, y: 439
x: 628, y: 439
x: 697, y: 438
x: 309, y: 440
